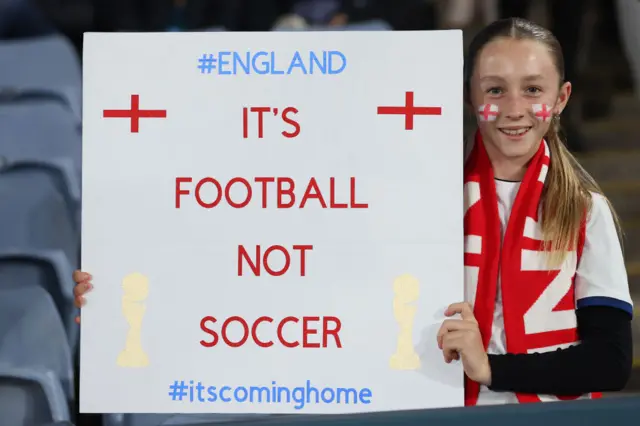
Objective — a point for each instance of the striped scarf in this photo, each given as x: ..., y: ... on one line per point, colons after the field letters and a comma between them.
x: 538, y: 303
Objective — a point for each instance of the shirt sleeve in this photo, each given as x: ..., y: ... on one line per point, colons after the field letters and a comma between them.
x: 601, y: 276
x: 600, y: 363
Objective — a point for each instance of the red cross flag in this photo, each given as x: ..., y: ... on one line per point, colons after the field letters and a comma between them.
x: 488, y: 112
x: 542, y: 112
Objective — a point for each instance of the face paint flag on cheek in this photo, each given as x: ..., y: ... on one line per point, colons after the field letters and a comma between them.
x: 542, y: 112
x: 488, y: 112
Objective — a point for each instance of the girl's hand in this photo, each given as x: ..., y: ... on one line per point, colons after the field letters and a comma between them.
x: 461, y: 339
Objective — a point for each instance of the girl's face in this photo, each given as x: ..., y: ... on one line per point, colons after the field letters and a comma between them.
x: 515, y: 92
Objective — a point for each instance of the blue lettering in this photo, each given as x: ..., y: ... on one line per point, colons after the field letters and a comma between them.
x: 309, y: 391
x: 273, y: 64
x: 286, y: 390
x: 222, y: 397
x: 365, y: 393
x: 211, y: 390
x: 222, y: 62
x: 298, y: 398
x: 244, y: 391
x: 344, y: 62
x: 237, y: 60
x: 314, y: 60
x: 265, y: 64
x: 346, y: 392
x: 329, y: 399
x: 297, y: 62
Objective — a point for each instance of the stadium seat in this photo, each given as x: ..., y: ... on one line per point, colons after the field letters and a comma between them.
x: 42, y: 63
x: 34, y: 212
x: 32, y: 334
x: 31, y: 397
x: 44, y: 129
x: 48, y: 269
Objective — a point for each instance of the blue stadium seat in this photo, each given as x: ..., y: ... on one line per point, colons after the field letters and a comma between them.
x: 41, y: 128
x: 36, y: 211
x: 48, y: 269
x: 31, y: 397
x: 42, y: 63
x: 32, y: 334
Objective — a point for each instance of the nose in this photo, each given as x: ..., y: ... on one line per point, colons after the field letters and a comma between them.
x: 515, y: 106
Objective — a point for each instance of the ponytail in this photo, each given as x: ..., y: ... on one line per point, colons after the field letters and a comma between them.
x: 566, y: 198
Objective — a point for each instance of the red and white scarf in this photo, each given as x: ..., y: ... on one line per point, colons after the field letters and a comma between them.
x: 538, y: 303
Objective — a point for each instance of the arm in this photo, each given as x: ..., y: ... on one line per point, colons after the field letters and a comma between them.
x: 601, y: 362
x: 603, y: 359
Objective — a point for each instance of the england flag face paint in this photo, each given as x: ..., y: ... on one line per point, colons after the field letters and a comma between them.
x: 542, y: 112
x: 488, y: 112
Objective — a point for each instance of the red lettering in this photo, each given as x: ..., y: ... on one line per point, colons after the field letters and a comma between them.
x: 335, y: 324
x: 218, y: 197
x: 302, y: 249
x: 287, y: 261
x: 291, y: 122
x: 264, y: 181
x: 256, y: 263
x: 289, y: 192
x: 203, y: 327
x: 254, y: 333
x: 245, y: 122
x: 260, y: 111
x: 227, y: 193
x: 354, y: 204
x: 245, y: 334
x: 179, y: 191
x: 332, y: 196
x: 281, y: 337
x: 249, y: 335
x: 285, y: 192
x: 313, y: 186
x: 307, y: 330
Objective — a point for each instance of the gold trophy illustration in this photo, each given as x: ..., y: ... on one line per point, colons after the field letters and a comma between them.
x: 407, y: 290
x: 136, y: 290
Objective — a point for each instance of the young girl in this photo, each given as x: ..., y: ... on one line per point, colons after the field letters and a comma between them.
x: 547, y: 311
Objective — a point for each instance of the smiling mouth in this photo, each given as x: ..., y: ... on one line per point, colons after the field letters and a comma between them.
x: 515, y: 132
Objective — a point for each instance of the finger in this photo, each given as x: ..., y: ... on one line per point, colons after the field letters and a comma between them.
x: 77, y: 318
x: 453, y: 342
x: 454, y: 325
x: 463, y: 308
x: 82, y: 288
x: 80, y: 301
x: 79, y: 276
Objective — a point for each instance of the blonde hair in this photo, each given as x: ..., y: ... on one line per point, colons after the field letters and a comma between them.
x: 566, y: 199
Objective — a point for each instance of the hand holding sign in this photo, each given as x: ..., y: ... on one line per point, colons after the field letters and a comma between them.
x: 461, y: 339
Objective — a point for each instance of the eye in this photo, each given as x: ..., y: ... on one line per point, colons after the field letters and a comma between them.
x: 495, y: 91
x: 533, y: 90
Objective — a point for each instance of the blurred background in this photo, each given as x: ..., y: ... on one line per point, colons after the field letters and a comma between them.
x: 40, y: 148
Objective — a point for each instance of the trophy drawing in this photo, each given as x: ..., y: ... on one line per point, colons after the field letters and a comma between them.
x: 406, y: 289
x: 136, y: 290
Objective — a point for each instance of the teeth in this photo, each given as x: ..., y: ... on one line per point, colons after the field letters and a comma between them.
x: 515, y: 132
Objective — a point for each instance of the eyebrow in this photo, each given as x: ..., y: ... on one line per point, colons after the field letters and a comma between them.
x: 532, y: 77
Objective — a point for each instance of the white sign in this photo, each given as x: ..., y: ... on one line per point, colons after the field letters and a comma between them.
x: 273, y: 221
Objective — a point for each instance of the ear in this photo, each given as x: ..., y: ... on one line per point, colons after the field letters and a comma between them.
x: 563, y: 98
